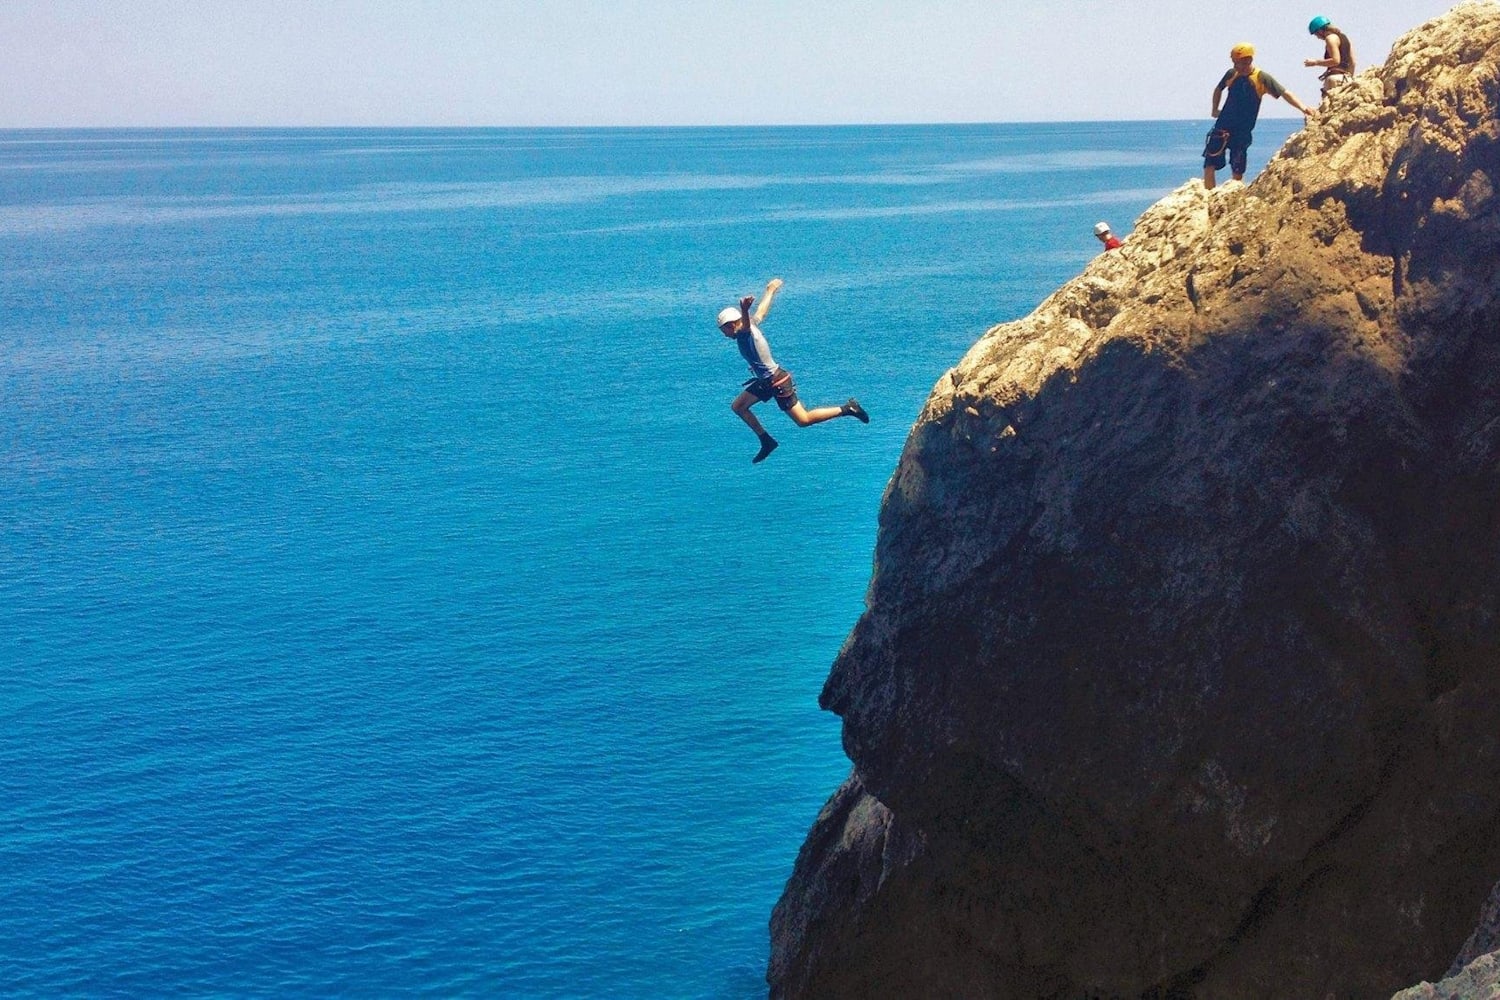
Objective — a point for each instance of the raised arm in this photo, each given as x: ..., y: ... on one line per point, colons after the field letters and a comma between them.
x: 745, y: 304
x: 772, y: 287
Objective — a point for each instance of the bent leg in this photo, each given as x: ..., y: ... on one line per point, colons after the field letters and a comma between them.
x: 741, y: 407
x: 803, y: 417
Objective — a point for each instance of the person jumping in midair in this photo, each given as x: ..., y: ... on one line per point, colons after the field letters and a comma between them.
x: 768, y: 378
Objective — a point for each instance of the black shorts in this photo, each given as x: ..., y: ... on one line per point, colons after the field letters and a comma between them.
x: 1223, y: 145
x: 780, y: 385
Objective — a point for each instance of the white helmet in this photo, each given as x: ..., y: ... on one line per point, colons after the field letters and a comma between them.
x: 729, y: 314
x: 1100, y: 228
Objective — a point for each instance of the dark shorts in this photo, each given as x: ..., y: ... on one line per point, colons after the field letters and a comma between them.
x: 780, y: 385
x: 1225, y: 145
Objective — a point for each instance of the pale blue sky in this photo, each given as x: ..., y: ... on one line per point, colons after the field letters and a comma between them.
x: 640, y: 62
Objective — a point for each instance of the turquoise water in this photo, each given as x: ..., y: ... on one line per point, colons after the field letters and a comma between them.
x: 387, y: 601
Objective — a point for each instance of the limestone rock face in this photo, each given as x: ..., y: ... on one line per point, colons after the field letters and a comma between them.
x: 1478, y: 981
x: 1475, y: 974
x: 1486, y: 937
x: 1180, y: 674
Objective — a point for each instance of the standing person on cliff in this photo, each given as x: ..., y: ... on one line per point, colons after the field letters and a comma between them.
x: 767, y: 377
x: 1230, y: 137
x: 1338, y: 53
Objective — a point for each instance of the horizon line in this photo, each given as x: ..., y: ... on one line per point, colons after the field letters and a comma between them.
x: 609, y: 127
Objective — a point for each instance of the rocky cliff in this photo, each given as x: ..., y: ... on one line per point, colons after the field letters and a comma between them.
x: 1180, y: 674
x: 1475, y: 973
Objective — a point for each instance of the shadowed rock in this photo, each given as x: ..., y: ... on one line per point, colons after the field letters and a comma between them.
x: 1180, y: 674
x: 1475, y: 974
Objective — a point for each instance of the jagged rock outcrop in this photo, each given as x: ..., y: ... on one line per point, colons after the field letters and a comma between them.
x: 1475, y: 973
x: 1180, y: 673
x: 1479, y: 980
x: 1486, y: 937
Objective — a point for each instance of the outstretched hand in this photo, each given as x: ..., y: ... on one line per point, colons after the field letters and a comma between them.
x: 746, y: 303
x: 774, y: 285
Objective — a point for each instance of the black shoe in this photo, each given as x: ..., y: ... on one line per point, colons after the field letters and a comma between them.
x: 853, y: 409
x: 767, y: 445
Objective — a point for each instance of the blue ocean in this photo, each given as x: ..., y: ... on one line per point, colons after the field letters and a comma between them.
x: 388, y: 603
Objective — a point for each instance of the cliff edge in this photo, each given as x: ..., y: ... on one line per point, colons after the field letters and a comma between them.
x: 1180, y: 672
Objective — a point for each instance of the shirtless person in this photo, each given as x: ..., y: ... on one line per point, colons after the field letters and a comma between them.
x: 770, y: 379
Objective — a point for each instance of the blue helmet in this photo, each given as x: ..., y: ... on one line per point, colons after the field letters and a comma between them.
x: 1317, y: 24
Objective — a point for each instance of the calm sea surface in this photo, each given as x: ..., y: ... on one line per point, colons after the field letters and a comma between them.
x: 387, y: 600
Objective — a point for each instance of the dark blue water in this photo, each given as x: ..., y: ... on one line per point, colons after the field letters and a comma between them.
x: 387, y: 601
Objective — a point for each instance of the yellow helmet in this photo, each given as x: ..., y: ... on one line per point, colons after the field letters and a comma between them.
x: 1242, y: 50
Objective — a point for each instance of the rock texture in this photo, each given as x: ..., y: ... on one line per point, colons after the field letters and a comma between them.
x: 1180, y: 674
x: 1475, y: 974
x: 1478, y: 981
x: 1486, y: 937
